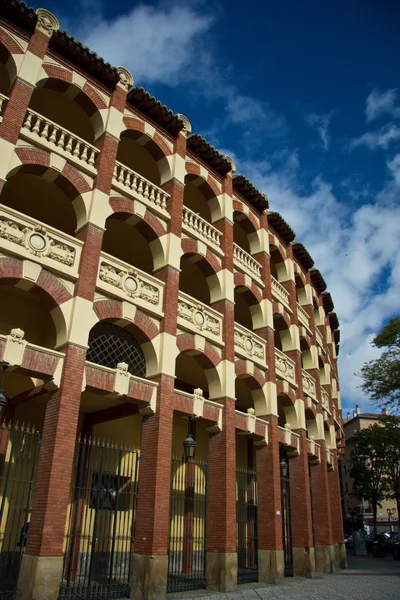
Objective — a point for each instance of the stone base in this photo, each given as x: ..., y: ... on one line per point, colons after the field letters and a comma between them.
x: 221, y: 571
x: 336, y: 558
x: 303, y: 562
x: 324, y: 556
x: 343, y: 556
x: 149, y: 577
x: 271, y: 566
x: 39, y: 577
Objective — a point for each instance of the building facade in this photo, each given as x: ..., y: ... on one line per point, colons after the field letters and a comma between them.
x: 149, y: 298
x: 354, y: 507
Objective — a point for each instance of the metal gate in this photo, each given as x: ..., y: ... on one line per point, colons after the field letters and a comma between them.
x: 187, y: 542
x: 100, y: 524
x: 19, y: 450
x: 246, y: 525
x: 286, y: 521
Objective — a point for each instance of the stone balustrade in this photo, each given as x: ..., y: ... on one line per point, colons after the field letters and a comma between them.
x: 309, y: 387
x: 314, y: 449
x: 33, y: 240
x: 43, y: 130
x: 289, y: 438
x: 3, y: 102
x: 279, y: 292
x: 139, y: 187
x: 285, y: 367
x: 303, y: 316
x: 199, y: 318
x: 119, y: 278
x: 246, y: 263
x: 248, y: 344
x: 198, y: 227
x: 325, y: 400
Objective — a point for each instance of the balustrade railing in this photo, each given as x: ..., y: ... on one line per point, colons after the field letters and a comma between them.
x: 249, y: 344
x: 199, y: 318
x: 119, y: 277
x: 325, y: 399
x: 140, y: 186
x: 303, y: 316
x: 245, y: 262
x: 3, y: 102
x: 60, y: 137
x: 279, y: 292
x: 309, y: 385
x: 285, y: 367
x: 200, y: 228
x: 30, y: 238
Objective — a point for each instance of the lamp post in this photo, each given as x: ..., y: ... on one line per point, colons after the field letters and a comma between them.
x: 390, y: 513
x: 352, y: 514
x: 3, y: 399
x: 189, y: 446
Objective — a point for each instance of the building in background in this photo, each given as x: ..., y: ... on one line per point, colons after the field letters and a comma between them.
x: 387, y: 513
x: 170, y: 344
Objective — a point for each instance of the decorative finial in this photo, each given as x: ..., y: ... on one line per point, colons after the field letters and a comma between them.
x: 125, y: 78
x: 47, y: 22
x: 231, y: 162
x: 187, y: 127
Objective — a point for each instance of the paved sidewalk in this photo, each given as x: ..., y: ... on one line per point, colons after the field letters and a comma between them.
x: 366, y: 578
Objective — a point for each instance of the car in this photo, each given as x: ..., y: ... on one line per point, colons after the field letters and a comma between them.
x: 395, y: 545
x: 370, y: 539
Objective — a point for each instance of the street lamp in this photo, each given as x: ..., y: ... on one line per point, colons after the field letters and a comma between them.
x: 3, y: 399
x: 352, y: 514
x: 390, y: 512
x: 284, y: 468
x: 189, y: 445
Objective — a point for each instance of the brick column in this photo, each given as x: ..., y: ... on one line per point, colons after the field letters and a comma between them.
x: 22, y: 88
x: 303, y: 550
x: 150, y: 559
x: 336, y: 514
x: 42, y: 561
x: 322, y: 513
x: 221, y: 509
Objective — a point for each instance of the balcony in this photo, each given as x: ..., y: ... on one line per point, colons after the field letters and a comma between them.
x: 314, y: 450
x: 43, y: 132
x: 319, y: 339
x: 120, y: 279
x: 285, y: 368
x: 198, y: 318
x: 303, y: 317
x: 30, y: 239
x: 246, y: 263
x: 199, y: 228
x: 249, y: 345
x: 3, y: 102
x: 309, y: 388
x: 139, y: 188
x: 280, y: 293
x: 289, y: 438
x: 325, y: 401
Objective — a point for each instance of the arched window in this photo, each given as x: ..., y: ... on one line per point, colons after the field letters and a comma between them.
x: 110, y: 345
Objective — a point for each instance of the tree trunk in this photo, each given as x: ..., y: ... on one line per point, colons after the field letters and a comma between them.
x: 374, y: 513
x: 398, y: 511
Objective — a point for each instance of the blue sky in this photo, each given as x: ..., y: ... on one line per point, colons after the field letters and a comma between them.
x: 303, y: 95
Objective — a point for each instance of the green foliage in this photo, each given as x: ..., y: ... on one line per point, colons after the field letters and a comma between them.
x: 381, y: 377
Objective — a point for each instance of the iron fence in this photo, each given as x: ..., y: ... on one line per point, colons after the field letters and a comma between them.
x: 187, y: 542
x: 286, y: 522
x: 246, y: 525
x: 100, y: 525
x: 19, y: 450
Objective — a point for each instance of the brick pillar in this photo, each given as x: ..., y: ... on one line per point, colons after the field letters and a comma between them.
x: 221, y: 509
x: 271, y: 562
x: 150, y: 559
x: 336, y: 514
x: 20, y: 96
x: 321, y: 508
x: 42, y: 561
x: 300, y: 503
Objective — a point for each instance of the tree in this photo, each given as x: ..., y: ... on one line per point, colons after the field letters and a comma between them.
x: 392, y: 432
x: 369, y: 466
x: 381, y: 377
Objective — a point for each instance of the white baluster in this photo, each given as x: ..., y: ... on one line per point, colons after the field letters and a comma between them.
x: 134, y: 183
x: 84, y: 154
x: 152, y: 195
x: 146, y: 190
x: 68, y: 147
x: 45, y: 131
x: 91, y: 157
x: 121, y: 175
x: 61, y: 140
x: 53, y: 136
x: 157, y: 200
x: 115, y: 174
x: 128, y: 178
x: 77, y: 149
x: 28, y: 121
x: 140, y: 186
x: 36, y: 126
x: 163, y: 201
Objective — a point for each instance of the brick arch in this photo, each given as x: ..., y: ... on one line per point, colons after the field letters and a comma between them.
x: 156, y: 146
x: 208, y: 187
x: 142, y: 326
x: 121, y: 205
x: 238, y: 207
x: 253, y: 294
x: 286, y: 396
x: 191, y: 247
x: 284, y: 315
x: 311, y: 413
x: 255, y: 379
x: 207, y: 357
x: 10, y: 43
x: 278, y: 248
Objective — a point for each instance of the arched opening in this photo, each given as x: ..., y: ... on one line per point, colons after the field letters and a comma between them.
x: 277, y: 264
x: 28, y: 192
x: 110, y: 344
x: 197, y: 196
x: 306, y: 356
x: 324, y: 372
x: 27, y: 311
x: 8, y: 70
x: 128, y: 238
x: 141, y: 157
x: 243, y: 394
x: 244, y: 234
x: 248, y: 311
x: 190, y: 374
x: 286, y: 412
x: 311, y: 425
x: 318, y: 313
x: 282, y: 335
x: 198, y: 279
x: 67, y: 106
x: 301, y: 294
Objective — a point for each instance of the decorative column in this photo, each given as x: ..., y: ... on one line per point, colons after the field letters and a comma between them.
x: 150, y: 558
x: 221, y: 510
x: 321, y: 508
x: 271, y: 561
x: 23, y: 86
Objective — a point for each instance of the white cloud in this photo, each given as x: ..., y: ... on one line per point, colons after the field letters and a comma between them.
x: 380, y: 138
x: 320, y: 124
x: 378, y: 104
